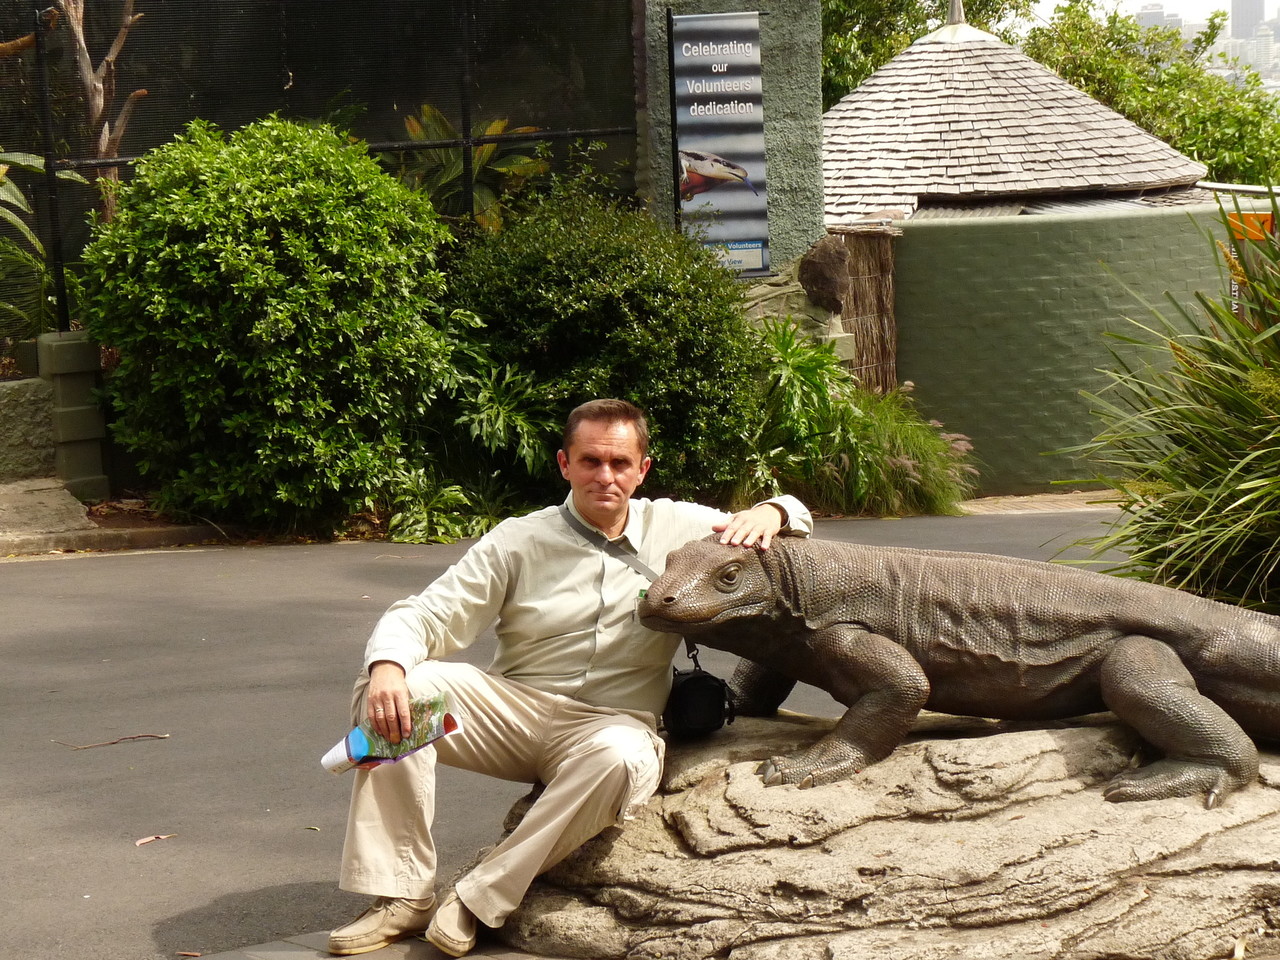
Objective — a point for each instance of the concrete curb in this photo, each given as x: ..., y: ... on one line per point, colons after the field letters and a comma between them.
x: 107, y: 538
x: 31, y: 542
x: 1097, y: 500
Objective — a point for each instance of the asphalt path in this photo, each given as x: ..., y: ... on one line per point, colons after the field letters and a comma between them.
x: 232, y: 666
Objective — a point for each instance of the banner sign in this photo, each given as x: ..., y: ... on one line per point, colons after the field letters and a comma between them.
x: 1249, y: 232
x: 717, y: 110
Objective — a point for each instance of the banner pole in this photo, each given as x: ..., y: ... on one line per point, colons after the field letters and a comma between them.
x: 671, y: 94
x: 53, y: 215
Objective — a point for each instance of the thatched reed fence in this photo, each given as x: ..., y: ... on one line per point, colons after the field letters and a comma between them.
x: 867, y: 313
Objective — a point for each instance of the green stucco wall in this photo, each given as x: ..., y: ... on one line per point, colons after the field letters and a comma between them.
x: 1001, y: 322
x: 791, y: 63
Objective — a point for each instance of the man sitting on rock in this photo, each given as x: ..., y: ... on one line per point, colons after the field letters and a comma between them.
x: 570, y: 700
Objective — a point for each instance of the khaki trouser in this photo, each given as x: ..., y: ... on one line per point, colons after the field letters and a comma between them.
x: 598, y: 766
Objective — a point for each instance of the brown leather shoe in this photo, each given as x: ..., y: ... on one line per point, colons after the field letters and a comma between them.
x: 388, y: 920
x: 453, y: 928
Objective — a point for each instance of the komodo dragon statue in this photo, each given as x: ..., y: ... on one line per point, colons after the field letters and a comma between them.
x: 888, y: 631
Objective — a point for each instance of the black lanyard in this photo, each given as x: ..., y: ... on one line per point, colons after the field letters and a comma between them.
x: 608, y: 546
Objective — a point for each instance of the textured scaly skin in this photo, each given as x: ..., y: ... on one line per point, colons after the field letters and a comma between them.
x: 888, y: 631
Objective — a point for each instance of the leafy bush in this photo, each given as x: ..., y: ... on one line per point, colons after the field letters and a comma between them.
x: 26, y: 291
x: 594, y: 299
x: 489, y: 447
x: 275, y: 299
x: 843, y: 449
x: 424, y: 508
x: 496, y: 168
x: 26, y: 286
x: 909, y: 465
x: 1191, y: 440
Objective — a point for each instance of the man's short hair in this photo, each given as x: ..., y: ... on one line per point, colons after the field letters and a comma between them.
x: 607, y: 411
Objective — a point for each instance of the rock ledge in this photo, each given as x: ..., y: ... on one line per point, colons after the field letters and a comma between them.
x: 973, y: 840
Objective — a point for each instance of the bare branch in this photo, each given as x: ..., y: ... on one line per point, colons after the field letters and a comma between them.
x: 128, y: 19
x: 122, y: 120
x: 106, y: 81
x: 74, y: 10
x: 100, y: 89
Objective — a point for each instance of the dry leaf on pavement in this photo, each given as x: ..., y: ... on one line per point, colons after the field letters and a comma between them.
x: 158, y: 836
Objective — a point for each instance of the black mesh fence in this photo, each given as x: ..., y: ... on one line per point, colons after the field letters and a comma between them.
x: 555, y: 71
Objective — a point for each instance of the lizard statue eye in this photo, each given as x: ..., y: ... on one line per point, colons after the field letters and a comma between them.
x: 729, y: 577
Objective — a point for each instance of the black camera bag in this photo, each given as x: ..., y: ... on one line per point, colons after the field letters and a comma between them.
x: 700, y: 702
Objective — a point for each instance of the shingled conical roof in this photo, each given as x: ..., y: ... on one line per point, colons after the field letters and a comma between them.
x: 960, y: 116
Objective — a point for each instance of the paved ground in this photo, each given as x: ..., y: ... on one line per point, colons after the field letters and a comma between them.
x: 232, y: 664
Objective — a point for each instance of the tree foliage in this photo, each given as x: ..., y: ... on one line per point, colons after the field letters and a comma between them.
x: 861, y: 36
x: 26, y: 284
x: 1169, y: 87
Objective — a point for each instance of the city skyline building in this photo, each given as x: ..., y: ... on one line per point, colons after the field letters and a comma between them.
x: 1258, y: 48
x: 1151, y: 15
x: 1246, y: 15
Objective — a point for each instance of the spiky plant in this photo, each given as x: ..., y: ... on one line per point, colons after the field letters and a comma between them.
x: 1191, y: 436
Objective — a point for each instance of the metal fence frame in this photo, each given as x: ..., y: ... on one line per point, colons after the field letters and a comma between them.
x: 53, y: 163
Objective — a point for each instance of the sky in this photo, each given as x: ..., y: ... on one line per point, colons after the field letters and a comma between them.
x: 1191, y: 11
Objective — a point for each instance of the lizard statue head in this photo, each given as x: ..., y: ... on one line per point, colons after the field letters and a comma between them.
x: 706, y: 584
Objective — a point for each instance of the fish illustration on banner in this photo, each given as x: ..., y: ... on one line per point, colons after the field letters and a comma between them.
x: 700, y: 172
x: 718, y: 122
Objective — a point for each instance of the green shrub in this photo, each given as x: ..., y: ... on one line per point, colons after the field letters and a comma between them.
x: 594, y: 299
x: 490, y: 442
x: 910, y: 465
x: 843, y: 449
x: 1191, y: 440
x: 276, y: 303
